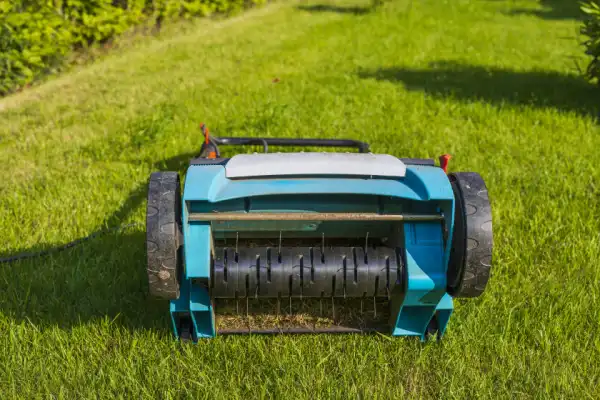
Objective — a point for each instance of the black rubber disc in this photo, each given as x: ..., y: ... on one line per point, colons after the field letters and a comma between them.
x: 472, y: 241
x: 163, y: 235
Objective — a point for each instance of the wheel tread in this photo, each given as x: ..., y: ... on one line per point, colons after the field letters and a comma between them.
x: 472, y: 268
x: 163, y: 227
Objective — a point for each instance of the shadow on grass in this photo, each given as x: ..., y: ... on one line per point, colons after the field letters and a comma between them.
x: 540, y: 89
x: 101, y: 277
x: 356, y: 10
x: 554, y: 10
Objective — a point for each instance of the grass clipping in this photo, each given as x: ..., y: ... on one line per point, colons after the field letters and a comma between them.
x: 291, y: 313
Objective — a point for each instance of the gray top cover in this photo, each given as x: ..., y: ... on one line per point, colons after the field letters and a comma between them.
x: 294, y: 164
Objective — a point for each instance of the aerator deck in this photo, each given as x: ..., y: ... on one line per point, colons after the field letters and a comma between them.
x: 315, y: 242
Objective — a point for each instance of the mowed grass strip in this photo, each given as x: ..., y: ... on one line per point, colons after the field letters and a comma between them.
x: 493, y: 83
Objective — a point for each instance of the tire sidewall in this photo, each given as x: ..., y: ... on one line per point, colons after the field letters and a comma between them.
x: 163, y: 232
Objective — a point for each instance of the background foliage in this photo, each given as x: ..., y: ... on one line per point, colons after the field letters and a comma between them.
x: 591, y: 29
x: 36, y: 36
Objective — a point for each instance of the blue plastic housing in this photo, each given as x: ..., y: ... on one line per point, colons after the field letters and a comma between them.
x: 424, y: 189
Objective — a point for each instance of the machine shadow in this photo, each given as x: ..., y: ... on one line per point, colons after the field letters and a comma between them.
x: 355, y: 10
x: 539, y: 89
x: 554, y: 10
x: 101, y: 277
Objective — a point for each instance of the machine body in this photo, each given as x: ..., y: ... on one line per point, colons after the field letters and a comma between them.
x: 321, y: 226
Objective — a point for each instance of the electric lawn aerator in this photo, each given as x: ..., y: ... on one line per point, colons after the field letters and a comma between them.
x: 381, y: 243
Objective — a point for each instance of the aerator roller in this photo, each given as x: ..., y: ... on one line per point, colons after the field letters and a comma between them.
x: 352, y: 242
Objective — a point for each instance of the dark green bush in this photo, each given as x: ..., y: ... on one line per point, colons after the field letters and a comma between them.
x: 37, y: 36
x: 591, y: 29
x: 95, y: 21
x: 33, y: 40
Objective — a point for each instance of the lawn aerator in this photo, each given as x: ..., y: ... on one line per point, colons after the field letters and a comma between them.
x: 383, y: 243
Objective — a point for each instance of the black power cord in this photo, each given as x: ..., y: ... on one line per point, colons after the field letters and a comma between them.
x: 24, y: 256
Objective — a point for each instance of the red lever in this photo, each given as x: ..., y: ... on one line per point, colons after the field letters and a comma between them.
x: 444, y: 160
x: 204, y: 130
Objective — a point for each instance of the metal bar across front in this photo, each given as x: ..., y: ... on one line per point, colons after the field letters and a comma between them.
x: 279, y: 216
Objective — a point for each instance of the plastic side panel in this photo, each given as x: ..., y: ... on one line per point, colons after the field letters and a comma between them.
x: 201, y: 312
x: 197, y: 242
x: 201, y: 179
x: 180, y: 308
x: 195, y: 306
x: 443, y: 312
x: 426, y: 286
x: 431, y: 183
x: 209, y: 183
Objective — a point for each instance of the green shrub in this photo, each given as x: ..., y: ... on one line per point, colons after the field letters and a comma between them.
x: 591, y: 29
x: 37, y: 36
x: 94, y: 21
x: 33, y: 40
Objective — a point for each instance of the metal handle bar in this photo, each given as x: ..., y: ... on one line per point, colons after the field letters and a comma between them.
x: 266, y: 142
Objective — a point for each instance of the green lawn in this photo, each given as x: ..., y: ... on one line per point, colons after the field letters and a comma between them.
x: 494, y: 83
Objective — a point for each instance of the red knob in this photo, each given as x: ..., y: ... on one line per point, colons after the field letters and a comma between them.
x: 444, y: 159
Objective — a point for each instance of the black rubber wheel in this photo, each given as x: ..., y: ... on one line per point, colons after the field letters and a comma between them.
x: 472, y: 241
x: 164, y: 235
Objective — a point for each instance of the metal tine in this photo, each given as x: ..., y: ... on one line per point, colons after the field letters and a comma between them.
x: 278, y: 305
x: 362, y: 303
x: 258, y: 266
x: 248, y: 324
x: 321, y: 305
x: 279, y: 250
x: 374, y: 307
x: 237, y: 238
x: 333, y: 308
x: 367, y: 242
x: 345, y: 267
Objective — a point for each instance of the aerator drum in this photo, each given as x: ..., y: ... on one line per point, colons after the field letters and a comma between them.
x: 315, y: 242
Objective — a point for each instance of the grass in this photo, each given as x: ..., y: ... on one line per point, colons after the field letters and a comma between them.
x: 494, y: 83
